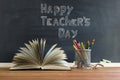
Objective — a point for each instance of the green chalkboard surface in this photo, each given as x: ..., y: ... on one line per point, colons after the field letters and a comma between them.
x: 61, y: 21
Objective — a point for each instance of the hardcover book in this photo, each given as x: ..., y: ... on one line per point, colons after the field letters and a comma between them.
x: 32, y: 56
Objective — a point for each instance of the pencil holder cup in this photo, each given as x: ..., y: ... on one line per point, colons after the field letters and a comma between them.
x: 83, y: 58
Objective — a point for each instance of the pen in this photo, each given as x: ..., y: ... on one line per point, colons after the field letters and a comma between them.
x: 76, y: 44
x: 88, y: 44
x: 82, y: 45
x: 92, y: 43
x: 78, y: 52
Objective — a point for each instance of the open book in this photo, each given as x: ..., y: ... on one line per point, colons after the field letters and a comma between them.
x: 32, y: 57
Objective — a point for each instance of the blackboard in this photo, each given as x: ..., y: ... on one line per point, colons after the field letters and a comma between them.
x: 59, y: 21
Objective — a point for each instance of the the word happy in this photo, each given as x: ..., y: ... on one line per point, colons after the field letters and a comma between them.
x: 63, y: 13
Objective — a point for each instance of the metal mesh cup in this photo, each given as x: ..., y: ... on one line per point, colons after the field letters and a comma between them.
x: 85, y: 61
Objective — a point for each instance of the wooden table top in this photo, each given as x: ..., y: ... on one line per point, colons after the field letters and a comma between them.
x: 106, y: 73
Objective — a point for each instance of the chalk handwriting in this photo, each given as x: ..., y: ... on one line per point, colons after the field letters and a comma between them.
x: 55, y: 10
x: 60, y: 17
x: 65, y: 21
x: 67, y: 34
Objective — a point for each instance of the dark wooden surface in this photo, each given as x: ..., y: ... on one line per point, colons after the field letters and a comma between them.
x: 74, y: 74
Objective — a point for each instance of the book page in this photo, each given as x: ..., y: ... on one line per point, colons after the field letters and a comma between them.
x: 25, y: 67
x: 53, y: 56
x: 55, y: 67
x: 30, y: 54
